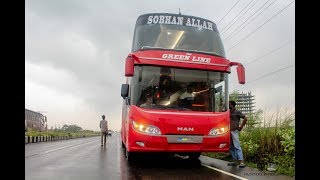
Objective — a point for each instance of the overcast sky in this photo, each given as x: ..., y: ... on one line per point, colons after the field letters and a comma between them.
x: 75, y: 52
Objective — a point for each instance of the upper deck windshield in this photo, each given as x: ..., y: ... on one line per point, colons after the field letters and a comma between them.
x: 179, y: 32
x: 179, y: 89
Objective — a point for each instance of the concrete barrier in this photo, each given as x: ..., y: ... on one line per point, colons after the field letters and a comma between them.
x: 35, y: 139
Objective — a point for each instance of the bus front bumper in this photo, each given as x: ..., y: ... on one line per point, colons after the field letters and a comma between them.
x: 178, y: 143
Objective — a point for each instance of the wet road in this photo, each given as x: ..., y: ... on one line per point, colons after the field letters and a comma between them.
x: 84, y: 159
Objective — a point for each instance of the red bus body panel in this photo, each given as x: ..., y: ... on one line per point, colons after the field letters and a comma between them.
x: 182, y: 60
x: 168, y: 123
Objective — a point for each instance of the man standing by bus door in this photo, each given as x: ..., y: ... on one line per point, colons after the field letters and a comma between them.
x: 104, y: 130
x: 235, y: 147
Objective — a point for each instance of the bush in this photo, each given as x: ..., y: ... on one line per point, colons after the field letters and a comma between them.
x: 262, y: 146
x: 84, y: 133
x: 249, y: 149
x: 285, y: 165
x: 288, y: 140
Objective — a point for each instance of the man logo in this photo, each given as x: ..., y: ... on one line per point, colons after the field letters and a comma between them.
x: 185, y: 129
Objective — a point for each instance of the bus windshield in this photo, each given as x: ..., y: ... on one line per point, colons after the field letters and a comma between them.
x: 179, y: 89
x: 177, y: 32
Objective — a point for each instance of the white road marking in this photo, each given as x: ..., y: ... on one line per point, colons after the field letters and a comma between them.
x: 52, y: 150
x: 224, y: 172
x: 73, y: 145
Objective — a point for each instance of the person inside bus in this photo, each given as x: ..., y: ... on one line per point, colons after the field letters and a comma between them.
x: 165, y: 89
x: 188, y: 94
x: 148, y: 103
x: 186, y: 98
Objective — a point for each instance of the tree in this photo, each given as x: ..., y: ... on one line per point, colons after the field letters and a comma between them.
x: 71, y: 128
x: 234, y: 95
x: 254, y: 119
x: 65, y: 127
x: 74, y: 128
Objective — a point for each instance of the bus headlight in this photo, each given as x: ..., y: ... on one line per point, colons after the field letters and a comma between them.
x: 145, y: 128
x: 218, y: 131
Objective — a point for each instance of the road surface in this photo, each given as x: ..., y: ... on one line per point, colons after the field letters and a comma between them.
x: 85, y: 159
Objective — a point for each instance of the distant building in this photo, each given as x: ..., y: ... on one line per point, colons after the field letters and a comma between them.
x: 35, y: 120
x: 245, y: 103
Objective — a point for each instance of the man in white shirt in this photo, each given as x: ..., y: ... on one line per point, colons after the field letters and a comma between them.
x: 104, y: 130
x: 188, y: 96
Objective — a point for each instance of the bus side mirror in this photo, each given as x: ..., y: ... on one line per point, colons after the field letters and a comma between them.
x: 124, y: 90
x: 241, y: 74
x: 129, y: 68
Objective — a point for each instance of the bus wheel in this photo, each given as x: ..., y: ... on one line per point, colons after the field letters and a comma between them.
x: 129, y: 155
x: 194, y: 156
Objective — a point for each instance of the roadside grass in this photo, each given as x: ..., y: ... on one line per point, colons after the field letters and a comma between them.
x: 83, y: 133
x: 270, y: 141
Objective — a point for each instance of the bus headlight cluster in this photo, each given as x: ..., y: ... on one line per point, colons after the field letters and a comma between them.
x: 218, y: 131
x: 145, y: 128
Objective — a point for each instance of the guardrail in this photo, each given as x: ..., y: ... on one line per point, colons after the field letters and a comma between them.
x: 36, y: 139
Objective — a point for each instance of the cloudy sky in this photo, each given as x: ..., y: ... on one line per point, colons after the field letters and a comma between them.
x: 75, y: 52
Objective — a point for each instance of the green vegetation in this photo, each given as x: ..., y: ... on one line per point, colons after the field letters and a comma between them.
x: 234, y: 95
x: 66, y: 130
x: 267, y: 140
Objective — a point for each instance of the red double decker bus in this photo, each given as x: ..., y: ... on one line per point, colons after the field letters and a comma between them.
x: 175, y: 98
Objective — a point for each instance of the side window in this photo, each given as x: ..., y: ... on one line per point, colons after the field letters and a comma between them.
x: 219, y: 97
x: 145, y: 80
x: 218, y: 89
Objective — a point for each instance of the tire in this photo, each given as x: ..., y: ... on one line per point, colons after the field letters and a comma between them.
x: 194, y: 156
x: 129, y: 156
